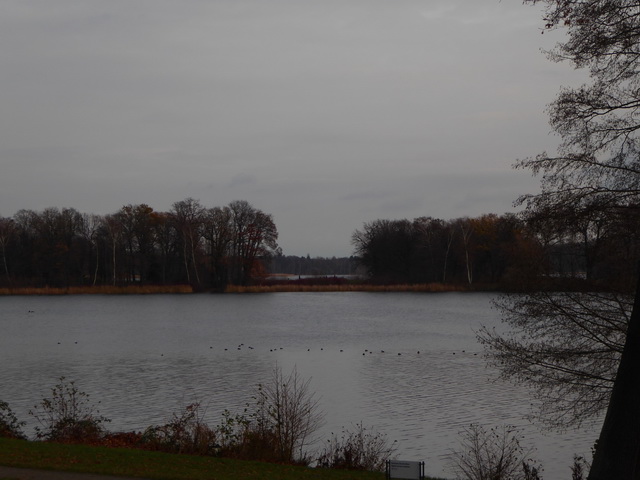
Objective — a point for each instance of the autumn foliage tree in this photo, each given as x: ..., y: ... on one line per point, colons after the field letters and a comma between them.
x: 489, y: 249
x: 254, y: 238
x: 136, y: 245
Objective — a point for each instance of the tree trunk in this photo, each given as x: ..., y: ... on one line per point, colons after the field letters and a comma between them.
x: 113, y: 253
x: 4, y: 261
x: 617, y: 454
x: 193, y: 259
x: 95, y: 272
x: 446, y: 256
x: 186, y: 262
x: 466, y: 256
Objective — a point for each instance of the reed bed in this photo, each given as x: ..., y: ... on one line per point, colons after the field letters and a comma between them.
x: 98, y: 290
x: 265, y: 288
x: 356, y: 287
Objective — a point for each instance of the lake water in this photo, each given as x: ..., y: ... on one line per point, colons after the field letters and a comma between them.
x: 406, y: 364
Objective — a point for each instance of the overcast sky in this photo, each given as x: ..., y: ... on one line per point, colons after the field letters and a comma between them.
x: 324, y: 113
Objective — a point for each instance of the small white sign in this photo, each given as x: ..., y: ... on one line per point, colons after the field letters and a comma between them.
x: 405, y: 470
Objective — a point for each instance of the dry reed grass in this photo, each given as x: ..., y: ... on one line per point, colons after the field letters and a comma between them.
x: 424, y: 287
x: 276, y: 288
x: 98, y: 290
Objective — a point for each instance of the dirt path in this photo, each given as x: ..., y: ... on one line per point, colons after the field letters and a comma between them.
x: 32, y: 474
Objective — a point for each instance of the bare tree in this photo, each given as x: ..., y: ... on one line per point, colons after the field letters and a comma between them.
x: 290, y: 411
x: 598, y: 163
x: 496, y: 454
x: 113, y: 227
x: 254, y: 237
x: 165, y: 234
x: 218, y: 233
x: 7, y: 230
x: 565, y: 346
x: 139, y: 238
x: 188, y: 215
x: 598, y: 122
x: 388, y: 248
x: 466, y: 229
x: 450, y: 237
x: 90, y: 232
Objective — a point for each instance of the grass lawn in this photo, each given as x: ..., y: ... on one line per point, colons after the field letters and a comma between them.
x: 156, y: 465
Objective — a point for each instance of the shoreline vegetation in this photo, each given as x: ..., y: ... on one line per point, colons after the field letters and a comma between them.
x: 346, y: 287
x: 320, y: 284
x: 271, y: 439
x: 276, y: 287
x: 97, y: 290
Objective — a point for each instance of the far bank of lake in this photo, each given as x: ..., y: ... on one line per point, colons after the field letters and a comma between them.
x: 274, y: 287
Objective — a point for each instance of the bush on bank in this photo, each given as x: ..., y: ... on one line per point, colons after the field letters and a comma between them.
x: 278, y: 428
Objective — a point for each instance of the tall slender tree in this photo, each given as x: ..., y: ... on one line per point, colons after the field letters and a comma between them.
x: 90, y: 231
x: 7, y: 231
x: 218, y: 233
x: 113, y: 227
x: 188, y: 215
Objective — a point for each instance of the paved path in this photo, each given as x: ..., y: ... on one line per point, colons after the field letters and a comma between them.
x: 32, y: 474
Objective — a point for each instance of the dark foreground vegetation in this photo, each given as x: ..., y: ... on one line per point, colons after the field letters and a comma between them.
x: 269, y: 440
x: 278, y: 427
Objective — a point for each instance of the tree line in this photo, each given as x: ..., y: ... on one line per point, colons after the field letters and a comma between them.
x: 192, y: 244
x: 237, y: 243
x: 308, y: 266
x: 513, y: 251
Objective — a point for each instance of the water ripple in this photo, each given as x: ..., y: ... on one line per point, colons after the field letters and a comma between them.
x: 145, y: 358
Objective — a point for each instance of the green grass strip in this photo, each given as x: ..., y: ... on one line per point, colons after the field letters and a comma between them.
x: 156, y: 465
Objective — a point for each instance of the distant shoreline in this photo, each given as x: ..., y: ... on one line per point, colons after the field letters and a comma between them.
x: 348, y: 287
x: 265, y: 288
x: 98, y: 290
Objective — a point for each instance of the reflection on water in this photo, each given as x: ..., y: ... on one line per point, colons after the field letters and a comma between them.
x: 407, y: 364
